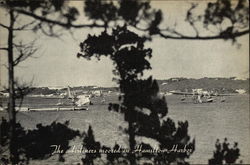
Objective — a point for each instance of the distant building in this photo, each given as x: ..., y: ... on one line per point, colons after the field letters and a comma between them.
x: 168, y: 93
x: 4, y: 94
x: 174, y: 79
x: 56, y: 87
x: 242, y: 78
x: 97, y: 93
x: 240, y: 91
x: 199, y: 90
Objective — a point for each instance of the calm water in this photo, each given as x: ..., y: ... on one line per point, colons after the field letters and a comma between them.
x: 210, y: 121
x: 207, y: 122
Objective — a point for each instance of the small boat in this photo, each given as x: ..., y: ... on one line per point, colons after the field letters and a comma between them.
x: 183, y: 98
x: 27, y: 109
x: 209, y: 100
x: 223, y: 99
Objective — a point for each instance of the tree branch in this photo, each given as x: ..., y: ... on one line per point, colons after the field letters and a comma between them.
x: 25, y: 51
x: 219, y: 36
x: 191, y: 20
x: 66, y: 25
x: 4, y: 26
x: 172, y: 35
x: 4, y: 49
x: 24, y: 26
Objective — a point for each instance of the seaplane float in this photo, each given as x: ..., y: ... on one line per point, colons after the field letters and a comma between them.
x: 199, y: 96
x: 71, y: 102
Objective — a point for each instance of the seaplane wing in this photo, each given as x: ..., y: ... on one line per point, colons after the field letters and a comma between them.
x: 182, y: 93
x: 223, y: 94
x: 78, y: 99
x: 195, y: 93
x: 82, y: 100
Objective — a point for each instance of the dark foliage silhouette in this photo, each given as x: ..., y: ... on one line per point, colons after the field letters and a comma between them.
x: 143, y: 108
x: 225, y: 154
x: 19, y: 51
x: 40, y: 139
x: 119, y: 157
x: 95, y: 150
x: 91, y: 145
x: 216, y: 13
x: 141, y: 16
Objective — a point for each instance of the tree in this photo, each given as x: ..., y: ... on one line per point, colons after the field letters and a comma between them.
x: 46, y: 139
x: 25, y: 50
x: 142, y: 17
x: 129, y: 63
x: 143, y: 109
x: 91, y: 145
x: 142, y: 14
x: 224, y: 153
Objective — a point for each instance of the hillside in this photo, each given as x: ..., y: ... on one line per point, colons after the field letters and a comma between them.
x: 221, y: 85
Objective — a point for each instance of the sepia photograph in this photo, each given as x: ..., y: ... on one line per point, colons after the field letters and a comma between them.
x: 124, y: 82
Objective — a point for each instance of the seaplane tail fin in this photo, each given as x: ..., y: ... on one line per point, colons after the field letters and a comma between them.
x: 69, y: 93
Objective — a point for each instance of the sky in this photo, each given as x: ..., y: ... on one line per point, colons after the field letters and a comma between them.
x: 56, y: 64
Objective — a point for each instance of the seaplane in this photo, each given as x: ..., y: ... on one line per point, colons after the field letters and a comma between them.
x: 200, y: 96
x: 72, y: 102
x: 77, y: 100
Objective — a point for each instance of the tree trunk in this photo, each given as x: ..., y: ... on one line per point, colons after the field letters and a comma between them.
x: 11, y: 108
x: 131, y: 132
